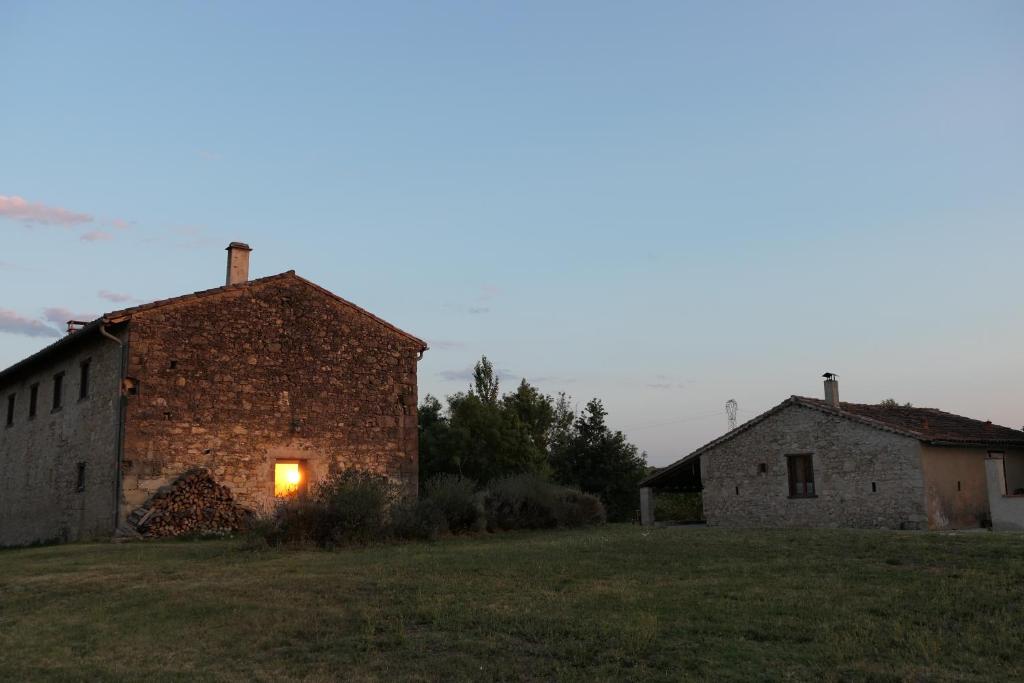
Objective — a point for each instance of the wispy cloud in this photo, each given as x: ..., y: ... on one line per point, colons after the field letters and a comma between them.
x: 466, y: 375
x: 207, y: 155
x: 116, y: 297
x: 96, y: 236
x: 478, y: 310
x: 60, y: 316
x: 446, y: 345
x: 35, y: 213
x: 120, y: 223
x: 13, y: 323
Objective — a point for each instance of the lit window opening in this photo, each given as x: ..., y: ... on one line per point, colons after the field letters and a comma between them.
x: 289, y: 478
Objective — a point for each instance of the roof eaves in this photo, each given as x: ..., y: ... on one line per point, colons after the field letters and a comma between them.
x: 722, y: 439
x: 67, y: 341
x: 853, y: 417
x: 359, y: 309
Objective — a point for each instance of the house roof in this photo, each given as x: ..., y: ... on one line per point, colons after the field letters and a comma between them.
x: 928, y: 425
x: 125, y: 314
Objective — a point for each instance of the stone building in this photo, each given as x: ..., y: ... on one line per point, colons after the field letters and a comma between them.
x: 824, y: 463
x: 265, y: 383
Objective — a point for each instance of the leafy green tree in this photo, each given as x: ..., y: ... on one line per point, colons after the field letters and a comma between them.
x: 535, y: 411
x: 892, y: 403
x: 602, y: 462
x: 482, y: 435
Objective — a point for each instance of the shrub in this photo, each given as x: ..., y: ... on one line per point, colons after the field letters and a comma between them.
x: 458, y: 500
x: 347, y: 507
x: 526, y: 501
x: 419, y: 519
x: 580, y: 509
x: 678, y: 507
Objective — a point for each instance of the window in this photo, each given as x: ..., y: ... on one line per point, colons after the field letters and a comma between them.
x: 10, y: 410
x: 33, y: 399
x: 58, y: 390
x: 80, y: 478
x: 762, y: 468
x: 83, y: 380
x: 874, y: 487
x: 801, y: 476
x: 289, y: 478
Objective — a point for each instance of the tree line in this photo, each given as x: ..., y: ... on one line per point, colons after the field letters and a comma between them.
x: 484, y: 435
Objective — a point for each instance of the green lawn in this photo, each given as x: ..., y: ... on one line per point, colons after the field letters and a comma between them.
x: 608, y: 603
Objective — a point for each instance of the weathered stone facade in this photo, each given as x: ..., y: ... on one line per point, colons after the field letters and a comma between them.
x: 847, y: 457
x: 274, y: 370
x: 232, y: 379
x: 40, y: 496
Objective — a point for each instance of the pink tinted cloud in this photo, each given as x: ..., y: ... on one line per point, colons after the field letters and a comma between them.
x: 96, y: 236
x: 116, y: 297
x: 13, y: 323
x: 120, y: 223
x: 60, y: 316
x: 35, y: 213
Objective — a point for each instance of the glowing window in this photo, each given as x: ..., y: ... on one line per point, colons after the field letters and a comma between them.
x: 288, y: 478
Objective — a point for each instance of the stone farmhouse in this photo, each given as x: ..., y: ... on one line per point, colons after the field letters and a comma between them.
x: 824, y: 463
x: 263, y: 383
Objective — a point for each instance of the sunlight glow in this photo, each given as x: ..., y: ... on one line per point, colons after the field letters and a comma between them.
x: 287, y: 478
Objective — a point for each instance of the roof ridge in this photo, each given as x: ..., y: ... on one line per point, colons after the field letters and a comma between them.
x: 131, y: 310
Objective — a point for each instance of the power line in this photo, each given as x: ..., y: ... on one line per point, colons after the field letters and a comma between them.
x: 689, y: 418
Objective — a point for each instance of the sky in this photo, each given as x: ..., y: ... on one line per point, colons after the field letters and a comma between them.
x: 666, y: 205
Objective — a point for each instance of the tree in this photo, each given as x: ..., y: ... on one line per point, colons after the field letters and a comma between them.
x: 892, y: 403
x: 534, y: 410
x: 602, y: 462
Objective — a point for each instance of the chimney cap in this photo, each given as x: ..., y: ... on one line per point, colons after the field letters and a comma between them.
x: 238, y: 245
x: 830, y: 375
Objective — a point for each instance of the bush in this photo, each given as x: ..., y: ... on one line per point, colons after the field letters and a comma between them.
x: 678, y: 507
x: 347, y: 507
x: 526, y: 501
x: 458, y: 500
x: 421, y: 520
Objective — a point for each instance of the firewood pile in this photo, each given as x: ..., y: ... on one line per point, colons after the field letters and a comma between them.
x: 192, y: 503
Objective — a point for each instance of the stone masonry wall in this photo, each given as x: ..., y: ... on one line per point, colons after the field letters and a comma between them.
x: 39, y: 456
x: 277, y: 370
x: 847, y: 458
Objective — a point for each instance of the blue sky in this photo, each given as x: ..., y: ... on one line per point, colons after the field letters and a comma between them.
x: 666, y: 205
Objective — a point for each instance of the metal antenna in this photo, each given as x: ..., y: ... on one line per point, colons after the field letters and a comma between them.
x: 730, y: 411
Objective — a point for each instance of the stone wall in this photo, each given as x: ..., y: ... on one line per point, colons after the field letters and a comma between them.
x: 847, y: 457
x: 276, y: 370
x: 39, y: 456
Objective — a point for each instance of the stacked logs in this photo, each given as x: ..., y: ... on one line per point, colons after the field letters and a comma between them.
x: 194, y: 503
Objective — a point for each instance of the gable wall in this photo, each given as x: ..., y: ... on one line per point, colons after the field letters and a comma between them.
x: 847, y: 458
x: 39, y: 456
x: 273, y: 371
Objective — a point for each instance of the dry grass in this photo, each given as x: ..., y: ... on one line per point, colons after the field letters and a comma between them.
x: 608, y: 603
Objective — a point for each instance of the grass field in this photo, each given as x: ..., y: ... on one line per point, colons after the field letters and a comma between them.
x: 600, y: 604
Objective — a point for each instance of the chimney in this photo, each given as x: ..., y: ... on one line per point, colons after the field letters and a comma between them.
x: 831, y: 389
x: 238, y: 263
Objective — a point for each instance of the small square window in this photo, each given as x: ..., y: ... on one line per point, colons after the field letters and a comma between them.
x: 762, y: 468
x: 289, y: 478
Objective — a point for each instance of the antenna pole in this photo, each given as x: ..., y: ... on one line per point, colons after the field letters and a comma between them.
x: 730, y: 411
